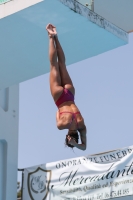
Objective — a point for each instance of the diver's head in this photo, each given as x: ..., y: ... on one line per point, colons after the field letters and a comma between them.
x: 74, y: 135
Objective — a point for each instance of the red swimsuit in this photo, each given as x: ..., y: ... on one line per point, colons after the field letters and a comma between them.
x: 67, y: 96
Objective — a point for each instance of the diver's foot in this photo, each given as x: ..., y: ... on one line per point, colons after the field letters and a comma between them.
x: 50, y: 36
x: 51, y: 30
x: 54, y: 30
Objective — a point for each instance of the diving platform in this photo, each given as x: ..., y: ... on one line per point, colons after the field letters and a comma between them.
x: 24, y: 40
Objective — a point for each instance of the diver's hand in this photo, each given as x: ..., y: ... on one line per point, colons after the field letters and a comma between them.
x: 71, y: 140
x: 75, y: 144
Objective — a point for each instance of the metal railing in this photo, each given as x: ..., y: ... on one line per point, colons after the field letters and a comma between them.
x: 91, y: 5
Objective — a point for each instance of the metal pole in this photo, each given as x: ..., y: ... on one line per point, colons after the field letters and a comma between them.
x: 22, y: 185
x: 22, y: 170
x: 92, y: 5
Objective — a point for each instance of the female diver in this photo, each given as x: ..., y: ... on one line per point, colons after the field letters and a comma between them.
x: 68, y: 115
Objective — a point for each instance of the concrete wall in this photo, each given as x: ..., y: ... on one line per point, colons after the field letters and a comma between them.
x: 9, y: 103
x: 119, y: 12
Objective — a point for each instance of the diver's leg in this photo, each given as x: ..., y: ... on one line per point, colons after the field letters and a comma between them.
x: 55, y: 79
x: 65, y: 77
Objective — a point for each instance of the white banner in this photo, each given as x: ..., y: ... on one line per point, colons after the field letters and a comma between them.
x: 102, y: 176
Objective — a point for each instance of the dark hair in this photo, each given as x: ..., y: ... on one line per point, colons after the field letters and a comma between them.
x: 74, y: 135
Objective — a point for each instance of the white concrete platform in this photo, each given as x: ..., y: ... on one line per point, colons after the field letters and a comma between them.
x: 24, y: 40
x: 13, y: 6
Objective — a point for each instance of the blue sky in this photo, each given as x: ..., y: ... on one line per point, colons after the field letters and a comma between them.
x: 104, y: 96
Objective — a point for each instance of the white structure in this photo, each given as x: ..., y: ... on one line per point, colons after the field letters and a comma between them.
x: 9, y: 106
x: 15, y: 6
x: 9, y: 121
x: 24, y: 39
x: 119, y: 12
